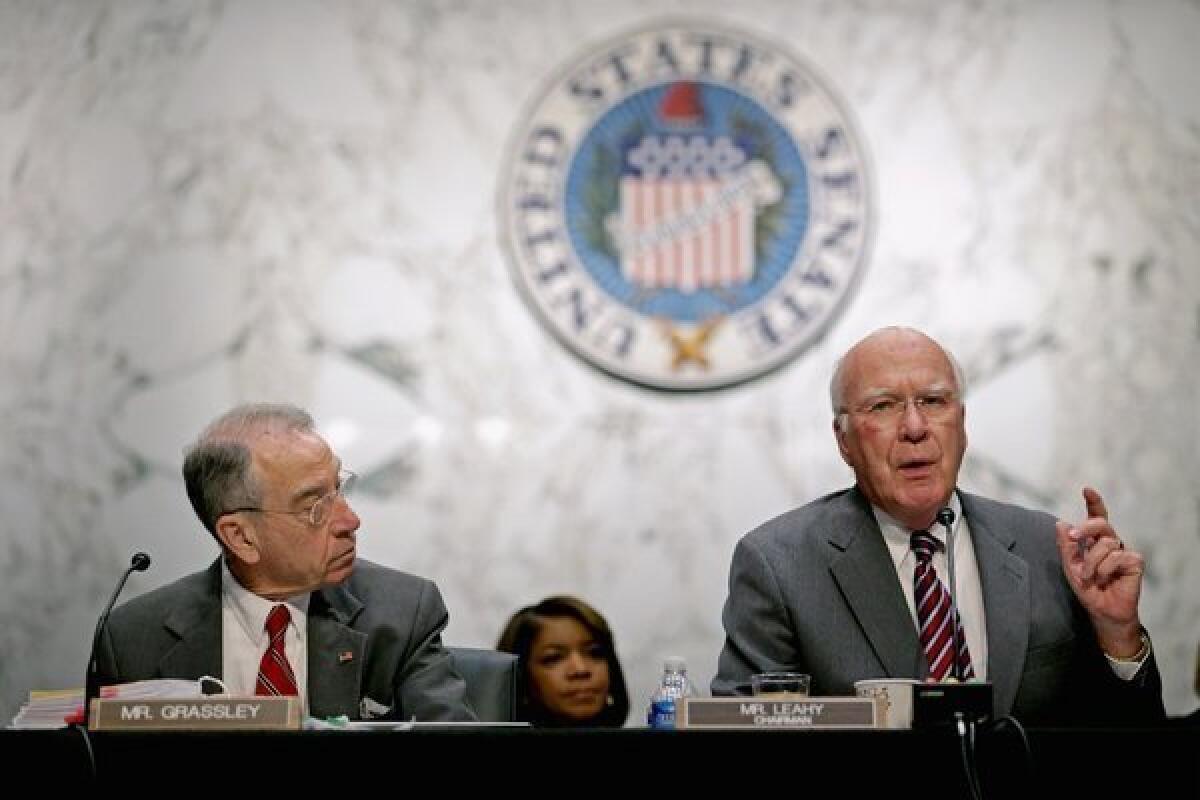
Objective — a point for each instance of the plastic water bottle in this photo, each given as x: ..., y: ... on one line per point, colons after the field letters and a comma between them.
x: 674, y: 685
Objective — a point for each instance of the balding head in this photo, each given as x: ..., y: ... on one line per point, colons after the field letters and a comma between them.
x: 217, y: 466
x: 837, y: 387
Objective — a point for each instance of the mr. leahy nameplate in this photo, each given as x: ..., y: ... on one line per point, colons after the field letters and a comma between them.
x: 817, y: 713
x: 213, y: 712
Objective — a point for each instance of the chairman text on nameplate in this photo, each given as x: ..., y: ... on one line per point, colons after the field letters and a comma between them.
x: 816, y: 713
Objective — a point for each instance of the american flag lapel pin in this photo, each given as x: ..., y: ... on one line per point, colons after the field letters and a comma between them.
x: 345, y: 657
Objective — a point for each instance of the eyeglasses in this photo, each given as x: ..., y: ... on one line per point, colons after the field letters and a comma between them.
x: 318, y: 513
x: 933, y: 405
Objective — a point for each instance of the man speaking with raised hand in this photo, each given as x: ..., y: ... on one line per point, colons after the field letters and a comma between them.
x: 853, y: 585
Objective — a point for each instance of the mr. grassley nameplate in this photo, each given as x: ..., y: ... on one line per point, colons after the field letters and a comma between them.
x: 215, y: 712
x: 814, y: 713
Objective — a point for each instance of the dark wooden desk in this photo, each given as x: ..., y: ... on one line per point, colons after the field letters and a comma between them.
x: 1155, y: 762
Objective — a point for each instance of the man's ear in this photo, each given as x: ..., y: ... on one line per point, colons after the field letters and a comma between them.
x: 239, y: 539
x: 840, y: 435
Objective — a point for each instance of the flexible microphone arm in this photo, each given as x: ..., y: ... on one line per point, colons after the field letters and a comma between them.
x: 946, y: 518
x: 139, y: 563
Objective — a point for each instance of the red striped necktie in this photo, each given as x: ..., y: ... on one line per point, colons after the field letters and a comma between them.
x: 275, y: 674
x: 934, y: 612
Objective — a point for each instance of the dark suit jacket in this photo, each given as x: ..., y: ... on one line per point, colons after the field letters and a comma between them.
x: 816, y: 590
x: 389, y: 622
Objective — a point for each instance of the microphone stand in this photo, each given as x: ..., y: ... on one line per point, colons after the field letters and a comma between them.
x: 138, y: 563
x: 946, y: 518
x: 964, y: 725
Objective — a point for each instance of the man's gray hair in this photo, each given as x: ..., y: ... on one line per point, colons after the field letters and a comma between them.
x: 216, y: 467
x: 836, y: 399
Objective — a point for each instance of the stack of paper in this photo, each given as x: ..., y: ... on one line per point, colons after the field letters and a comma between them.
x: 166, y: 688
x: 49, y: 708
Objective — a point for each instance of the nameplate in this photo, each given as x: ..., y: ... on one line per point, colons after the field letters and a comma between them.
x: 807, y: 713
x: 215, y: 712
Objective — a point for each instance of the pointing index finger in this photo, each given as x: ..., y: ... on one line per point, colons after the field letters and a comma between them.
x: 1095, y: 503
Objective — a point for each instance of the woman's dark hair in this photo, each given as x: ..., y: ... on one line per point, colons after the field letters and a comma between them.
x: 518, y: 638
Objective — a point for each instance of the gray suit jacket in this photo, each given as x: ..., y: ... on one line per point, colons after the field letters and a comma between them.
x: 377, y: 635
x: 816, y: 590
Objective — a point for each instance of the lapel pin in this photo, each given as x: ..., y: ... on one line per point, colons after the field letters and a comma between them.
x: 345, y: 656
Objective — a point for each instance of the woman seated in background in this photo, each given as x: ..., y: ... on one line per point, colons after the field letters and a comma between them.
x: 571, y: 676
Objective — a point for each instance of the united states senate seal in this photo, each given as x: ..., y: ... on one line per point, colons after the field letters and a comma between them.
x: 686, y: 206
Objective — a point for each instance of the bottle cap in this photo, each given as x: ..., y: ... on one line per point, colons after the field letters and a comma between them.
x: 675, y: 664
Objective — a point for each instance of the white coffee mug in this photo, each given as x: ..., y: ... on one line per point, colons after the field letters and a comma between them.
x: 897, y: 694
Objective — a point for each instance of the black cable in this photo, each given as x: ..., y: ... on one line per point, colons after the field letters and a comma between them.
x: 87, y: 746
x: 972, y: 729
x: 1024, y: 737
x: 966, y: 748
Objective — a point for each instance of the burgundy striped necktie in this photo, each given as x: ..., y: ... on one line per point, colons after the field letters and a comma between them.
x: 275, y: 674
x: 933, y: 613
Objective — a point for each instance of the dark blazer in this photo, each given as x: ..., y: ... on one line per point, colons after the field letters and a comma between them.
x: 377, y: 636
x: 816, y: 590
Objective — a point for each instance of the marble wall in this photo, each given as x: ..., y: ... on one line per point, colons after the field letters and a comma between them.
x: 208, y: 202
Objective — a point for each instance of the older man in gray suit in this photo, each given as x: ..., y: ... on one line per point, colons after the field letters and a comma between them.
x: 850, y: 586
x: 288, y: 608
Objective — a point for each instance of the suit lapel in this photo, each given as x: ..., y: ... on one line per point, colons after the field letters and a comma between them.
x: 1004, y: 579
x: 196, y: 623
x: 336, y: 654
x: 867, y: 578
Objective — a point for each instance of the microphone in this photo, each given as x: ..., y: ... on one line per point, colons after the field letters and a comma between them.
x: 965, y: 717
x: 946, y: 518
x: 962, y: 705
x: 139, y: 563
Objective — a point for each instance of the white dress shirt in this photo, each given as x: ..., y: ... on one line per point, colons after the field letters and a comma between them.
x: 244, y: 637
x: 968, y: 592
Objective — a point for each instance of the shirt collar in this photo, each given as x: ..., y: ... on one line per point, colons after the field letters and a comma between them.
x: 251, y: 610
x: 898, y: 536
